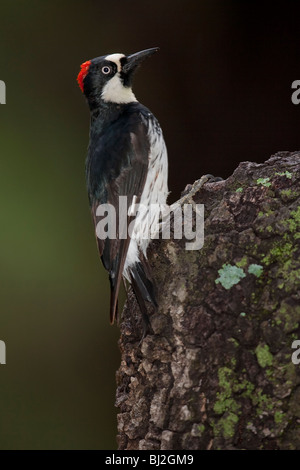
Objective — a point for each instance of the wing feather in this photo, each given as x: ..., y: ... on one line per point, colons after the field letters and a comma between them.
x: 123, y: 172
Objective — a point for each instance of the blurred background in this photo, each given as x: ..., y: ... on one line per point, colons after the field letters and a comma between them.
x: 221, y: 89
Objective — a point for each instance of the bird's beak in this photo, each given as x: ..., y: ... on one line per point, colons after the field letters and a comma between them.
x: 134, y: 60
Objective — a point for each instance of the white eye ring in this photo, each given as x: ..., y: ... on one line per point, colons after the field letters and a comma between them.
x: 106, y: 70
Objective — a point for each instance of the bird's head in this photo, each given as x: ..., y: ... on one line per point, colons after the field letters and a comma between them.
x: 108, y: 79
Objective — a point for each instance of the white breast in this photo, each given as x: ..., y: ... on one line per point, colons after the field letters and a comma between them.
x: 115, y: 92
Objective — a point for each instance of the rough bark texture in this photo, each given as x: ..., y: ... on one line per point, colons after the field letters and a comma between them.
x: 216, y: 370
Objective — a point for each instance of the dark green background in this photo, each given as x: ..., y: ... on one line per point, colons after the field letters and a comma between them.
x: 221, y: 88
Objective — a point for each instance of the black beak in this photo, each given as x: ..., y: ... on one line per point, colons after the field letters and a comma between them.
x: 134, y: 60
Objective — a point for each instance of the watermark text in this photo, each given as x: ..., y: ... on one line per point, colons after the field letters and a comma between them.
x: 155, y: 221
x: 296, y: 95
x: 2, y: 92
x: 296, y: 354
x: 2, y: 352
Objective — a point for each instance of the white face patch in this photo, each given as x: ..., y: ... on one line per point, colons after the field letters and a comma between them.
x: 116, y: 59
x: 115, y: 92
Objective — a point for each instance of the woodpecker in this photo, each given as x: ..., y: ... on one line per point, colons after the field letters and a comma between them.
x: 126, y: 156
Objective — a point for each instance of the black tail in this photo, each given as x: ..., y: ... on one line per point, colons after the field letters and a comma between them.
x: 114, y: 292
x: 144, y: 288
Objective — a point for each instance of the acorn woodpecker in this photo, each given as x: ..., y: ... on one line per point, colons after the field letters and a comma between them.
x: 127, y: 157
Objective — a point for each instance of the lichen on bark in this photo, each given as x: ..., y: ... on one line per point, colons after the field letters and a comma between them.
x: 215, y: 371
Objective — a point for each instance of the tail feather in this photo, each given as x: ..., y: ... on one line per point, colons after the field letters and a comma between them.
x: 114, y: 293
x: 143, y: 287
x: 142, y: 283
x: 144, y: 290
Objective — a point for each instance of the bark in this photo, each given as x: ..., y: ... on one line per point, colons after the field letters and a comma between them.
x: 216, y: 371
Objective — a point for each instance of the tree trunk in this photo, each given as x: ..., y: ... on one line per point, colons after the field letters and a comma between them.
x: 216, y: 370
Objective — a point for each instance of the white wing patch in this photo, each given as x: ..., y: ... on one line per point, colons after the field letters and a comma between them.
x: 155, y: 192
x: 131, y: 210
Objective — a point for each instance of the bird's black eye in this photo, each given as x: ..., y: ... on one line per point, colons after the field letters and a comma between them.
x: 106, y: 70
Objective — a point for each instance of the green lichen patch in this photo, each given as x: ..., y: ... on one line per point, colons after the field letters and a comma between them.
x: 255, y: 269
x: 279, y: 417
x: 242, y: 263
x: 268, y: 221
x: 287, y: 174
x: 225, y: 401
x: 268, y: 212
x: 230, y: 385
x: 226, y: 405
x: 288, y: 194
x: 293, y: 223
x: 264, y: 182
x: 280, y: 252
x: 288, y: 316
x: 232, y: 390
x: 283, y: 261
x: 235, y: 391
x: 229, y: 276
x: 234, y: 342
x: 226, y: 425
x: 263, y: 402
x: 263, y: 355
x: 269, y: 405
x: 201, y: 428
x: 244, y: 388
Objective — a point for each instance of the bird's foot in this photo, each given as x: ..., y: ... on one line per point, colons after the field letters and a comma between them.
x: 188, y: 194
x: 191, y: 189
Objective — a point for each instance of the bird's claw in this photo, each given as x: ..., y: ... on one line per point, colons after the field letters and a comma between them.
x: 191, y: 190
